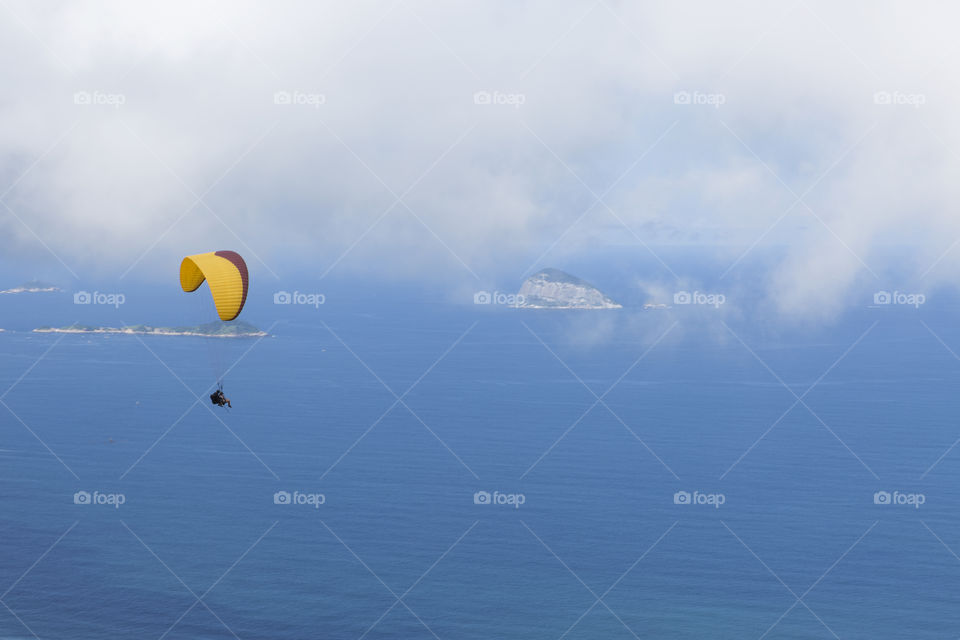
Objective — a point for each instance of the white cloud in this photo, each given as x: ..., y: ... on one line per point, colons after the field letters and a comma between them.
x: 198, y: 83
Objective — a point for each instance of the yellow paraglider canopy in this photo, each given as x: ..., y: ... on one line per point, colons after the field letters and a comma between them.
x: 225, y: 272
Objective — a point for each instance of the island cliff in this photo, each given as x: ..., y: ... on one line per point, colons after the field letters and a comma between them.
x: 555, y: 289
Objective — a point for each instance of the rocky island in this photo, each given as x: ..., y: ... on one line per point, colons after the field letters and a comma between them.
x: 210, y: 330
x: 34, y: 286
x: 556, y: 289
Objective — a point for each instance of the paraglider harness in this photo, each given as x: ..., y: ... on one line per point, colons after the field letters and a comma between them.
x: 217, y: 396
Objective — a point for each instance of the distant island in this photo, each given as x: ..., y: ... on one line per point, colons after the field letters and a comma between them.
x: 556, y: 289
x: 209, y: 330
x: 34, y: 286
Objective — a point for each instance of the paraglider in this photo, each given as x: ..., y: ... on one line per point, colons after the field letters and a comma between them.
x: 226, y: 274
x: 219, y: 399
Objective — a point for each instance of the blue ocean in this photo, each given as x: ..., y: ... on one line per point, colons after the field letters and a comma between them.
x: 411, y: 468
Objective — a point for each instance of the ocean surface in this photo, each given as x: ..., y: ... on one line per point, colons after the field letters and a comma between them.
x: 433, y: 471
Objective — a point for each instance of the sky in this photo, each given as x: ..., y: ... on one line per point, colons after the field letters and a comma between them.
x: 464, y: 145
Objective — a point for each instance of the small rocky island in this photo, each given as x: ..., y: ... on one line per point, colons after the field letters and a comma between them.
x: 34, y: 286
x: 209, y: 330
x: 556, y: 289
